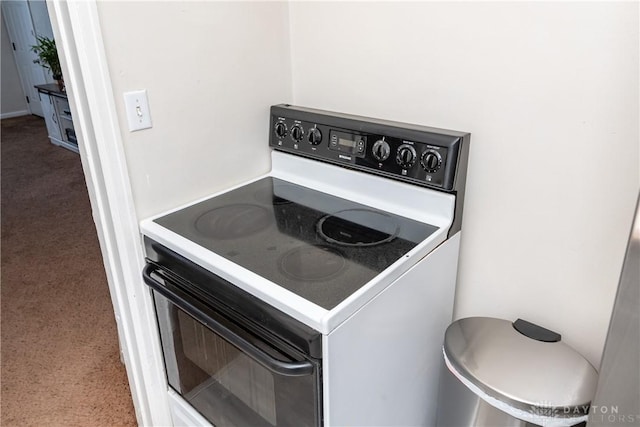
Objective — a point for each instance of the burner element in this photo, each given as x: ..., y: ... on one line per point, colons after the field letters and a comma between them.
x: 346, y: 228
x: 233, y: 221
x: 312, y: 263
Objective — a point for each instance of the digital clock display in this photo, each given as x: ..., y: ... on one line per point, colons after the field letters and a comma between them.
x: 347, y: 142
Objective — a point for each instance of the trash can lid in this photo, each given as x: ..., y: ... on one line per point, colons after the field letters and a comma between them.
x: 539, y: 375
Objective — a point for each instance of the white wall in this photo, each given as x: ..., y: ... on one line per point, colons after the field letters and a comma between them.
x: 12, y: 100
x: 549, y: 93
x: 211, y: 69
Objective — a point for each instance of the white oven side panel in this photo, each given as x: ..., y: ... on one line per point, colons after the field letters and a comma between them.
x: 183, y: 414
x: 382, y: 365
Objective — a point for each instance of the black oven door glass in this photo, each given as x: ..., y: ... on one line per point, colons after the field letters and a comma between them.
x: 228, y: 384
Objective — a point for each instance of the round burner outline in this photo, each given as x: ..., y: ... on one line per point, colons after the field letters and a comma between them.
x: 322, y: 263
x: 385, y: 236
x: 233, y: 221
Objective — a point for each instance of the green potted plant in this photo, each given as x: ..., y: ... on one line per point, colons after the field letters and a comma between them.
x: 48, y: 58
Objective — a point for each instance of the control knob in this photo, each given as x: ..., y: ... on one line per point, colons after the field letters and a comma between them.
x: 297, y: 133
x: 381, y: 150
x: 406, y: 156
x: 431, y: 161
x: 281, y: 130
x: 314, y: 136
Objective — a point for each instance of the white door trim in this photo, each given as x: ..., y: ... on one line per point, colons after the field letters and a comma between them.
x: 78, y: 35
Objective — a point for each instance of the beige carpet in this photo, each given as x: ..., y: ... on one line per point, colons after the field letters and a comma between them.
x: 60, y: 357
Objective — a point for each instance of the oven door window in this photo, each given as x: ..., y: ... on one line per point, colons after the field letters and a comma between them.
x: 225, y: 384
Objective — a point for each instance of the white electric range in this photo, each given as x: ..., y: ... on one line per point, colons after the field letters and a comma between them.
x: 319, y: 293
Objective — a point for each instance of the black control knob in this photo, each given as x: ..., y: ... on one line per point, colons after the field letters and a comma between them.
x: 431, y: 161
x: 381, y: 150
x: 406, y: 156
x: 297, y: 133
x: 314, y: 136
x: 281, y: 130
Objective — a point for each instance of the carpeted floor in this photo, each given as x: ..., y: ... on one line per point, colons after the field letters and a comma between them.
x: 60, y: 357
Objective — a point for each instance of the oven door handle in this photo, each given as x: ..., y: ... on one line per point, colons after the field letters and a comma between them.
x: 290, y: 369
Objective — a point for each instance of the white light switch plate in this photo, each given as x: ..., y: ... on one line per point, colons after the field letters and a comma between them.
x: 137, y: 106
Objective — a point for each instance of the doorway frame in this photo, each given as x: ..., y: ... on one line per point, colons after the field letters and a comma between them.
x: 77, y: 30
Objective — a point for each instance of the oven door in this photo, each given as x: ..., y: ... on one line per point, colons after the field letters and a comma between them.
x: 228, y: 370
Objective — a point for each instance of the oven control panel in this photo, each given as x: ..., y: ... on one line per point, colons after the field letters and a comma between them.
x: 416, y: 154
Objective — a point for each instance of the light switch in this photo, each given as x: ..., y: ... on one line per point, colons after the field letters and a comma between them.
x: 137, y: 106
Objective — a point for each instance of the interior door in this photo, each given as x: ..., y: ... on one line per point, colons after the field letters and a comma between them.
x: 17, y: 18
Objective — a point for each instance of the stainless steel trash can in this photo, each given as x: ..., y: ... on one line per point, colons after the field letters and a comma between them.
x: 502, y: 373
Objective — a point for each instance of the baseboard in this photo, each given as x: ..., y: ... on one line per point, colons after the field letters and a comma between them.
x: 14, y: 114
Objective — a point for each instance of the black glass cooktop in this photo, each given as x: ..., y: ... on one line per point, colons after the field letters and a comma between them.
x: 318, y: 246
